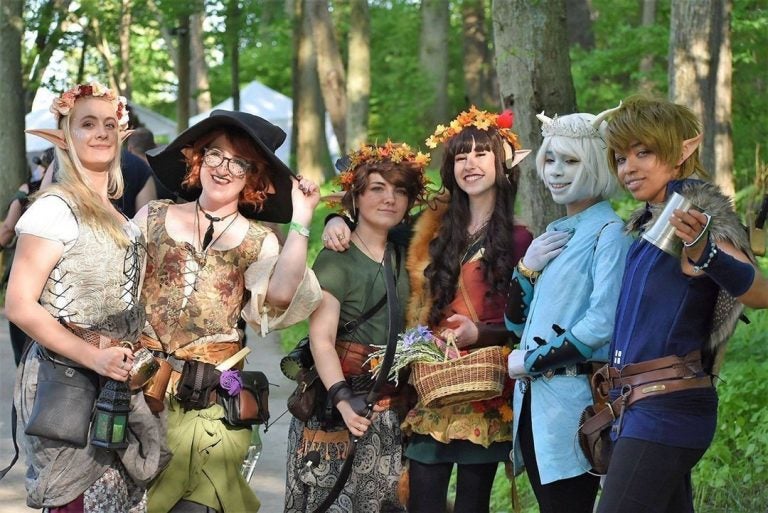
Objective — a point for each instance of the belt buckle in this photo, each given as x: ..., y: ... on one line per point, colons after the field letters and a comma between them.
x: 571, y: 370
x: 549, y: 373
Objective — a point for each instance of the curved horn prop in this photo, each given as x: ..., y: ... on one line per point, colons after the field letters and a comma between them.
x: 602, y: 117
x: 544, y: 119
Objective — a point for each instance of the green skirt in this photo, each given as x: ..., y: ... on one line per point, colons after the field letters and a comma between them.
x: 425, y: 449
x: 205, y: 467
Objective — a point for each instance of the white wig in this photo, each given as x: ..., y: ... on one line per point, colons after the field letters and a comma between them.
x: 576, y: 135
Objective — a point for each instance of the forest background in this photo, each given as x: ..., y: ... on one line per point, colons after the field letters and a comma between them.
x: 396, y: 68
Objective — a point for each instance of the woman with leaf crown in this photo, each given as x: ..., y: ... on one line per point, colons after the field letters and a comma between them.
x: 381, y: 184
x: 74, y: 290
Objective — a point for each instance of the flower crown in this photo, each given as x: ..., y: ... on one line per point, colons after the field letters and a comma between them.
x: 62, y: 105
x: 480, y: 119
x: 394, y: 152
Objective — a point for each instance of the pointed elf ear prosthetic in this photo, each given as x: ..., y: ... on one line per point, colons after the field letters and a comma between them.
x: 52, y: 135
x: 125, y: 134
x: 689, y: 146
x: 513, y: 158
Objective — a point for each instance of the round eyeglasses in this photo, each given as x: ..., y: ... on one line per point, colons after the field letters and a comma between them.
x: 235, y: 167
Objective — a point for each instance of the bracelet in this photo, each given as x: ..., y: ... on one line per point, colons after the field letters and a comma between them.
x: 299, y: 228
x: 528, y: 273
x: 699, y: 266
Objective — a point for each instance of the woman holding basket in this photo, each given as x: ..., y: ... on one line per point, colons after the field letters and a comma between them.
x: 460, y: 259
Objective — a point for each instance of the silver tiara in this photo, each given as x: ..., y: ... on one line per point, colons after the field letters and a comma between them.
x: 551, y: 127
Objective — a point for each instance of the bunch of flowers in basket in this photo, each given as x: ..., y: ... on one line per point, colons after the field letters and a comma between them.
x: 417, y: 344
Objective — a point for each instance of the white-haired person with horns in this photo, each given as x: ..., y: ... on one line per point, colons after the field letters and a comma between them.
x: 74, y: 289
x: 562, y: 303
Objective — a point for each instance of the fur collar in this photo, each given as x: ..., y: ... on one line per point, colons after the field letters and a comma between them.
x: 725, y: 226
x: 425, y: 230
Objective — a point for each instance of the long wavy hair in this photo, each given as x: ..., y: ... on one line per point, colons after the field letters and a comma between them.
x: 447, y: 249
x: 73, y: 181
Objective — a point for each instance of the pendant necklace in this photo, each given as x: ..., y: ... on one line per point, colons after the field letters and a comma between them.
x: 208, y: 240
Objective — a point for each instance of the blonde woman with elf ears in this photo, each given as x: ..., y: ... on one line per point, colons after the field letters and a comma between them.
x: 562, y: 303
x: 76, y: 277
x: 675, y: 313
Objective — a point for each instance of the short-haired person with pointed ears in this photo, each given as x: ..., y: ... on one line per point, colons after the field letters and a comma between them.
x: 381, y: 183
x: 74, y: 289
x: 675, y: 313
x: 209, y: 262
x: 562, y: 303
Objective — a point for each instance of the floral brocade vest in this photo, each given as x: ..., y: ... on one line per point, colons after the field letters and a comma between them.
x: 189, y: 294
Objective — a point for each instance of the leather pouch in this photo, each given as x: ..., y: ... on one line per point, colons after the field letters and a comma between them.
x: 251, y: 405
x: 64, y: 401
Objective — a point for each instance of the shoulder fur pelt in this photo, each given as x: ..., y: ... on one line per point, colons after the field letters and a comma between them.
x: 724, y: 227
x: 424, y: 231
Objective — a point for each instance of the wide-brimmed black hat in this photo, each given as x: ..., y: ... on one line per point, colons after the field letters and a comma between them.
x: 170, y: 167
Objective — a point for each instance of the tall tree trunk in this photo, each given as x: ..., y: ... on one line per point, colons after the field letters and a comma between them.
x: 534, y: 76
x: 49, y: 33
x: 102, y: 46
x: 81, y: 61
x: 124, y: 79
x: 646, y: 64
x: 330, y: 67
x: 700, y: 71
x: 183, y: 72
x: 433, y: 55
x: 200, y: 89
x: 12, y: 145
x: 480, y: 83
x: 308, y: 113
x: 358, y: 74
x: 578, y: 15
x: 233, y: 31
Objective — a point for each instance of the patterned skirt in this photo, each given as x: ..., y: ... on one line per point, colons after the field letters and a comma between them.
x: 372, y: 484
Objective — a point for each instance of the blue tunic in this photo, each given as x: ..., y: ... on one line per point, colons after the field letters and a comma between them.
x: 578, y: 290
x: 664, y: 312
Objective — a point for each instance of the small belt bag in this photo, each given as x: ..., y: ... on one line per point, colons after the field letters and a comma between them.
x: 251, y: 405
x: 197, y: 385
x: 64, y: 401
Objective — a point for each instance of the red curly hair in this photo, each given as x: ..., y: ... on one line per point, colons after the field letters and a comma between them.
x: 258, y: 181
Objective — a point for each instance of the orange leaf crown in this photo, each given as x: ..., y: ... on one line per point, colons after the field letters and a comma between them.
x: 393, y: 152
x: 62, y: 105
x: 480, y: 119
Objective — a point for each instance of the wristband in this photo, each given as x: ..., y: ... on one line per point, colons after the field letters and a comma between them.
x: 340, y: 391
x: 299, y: 228
x: 731, y: 274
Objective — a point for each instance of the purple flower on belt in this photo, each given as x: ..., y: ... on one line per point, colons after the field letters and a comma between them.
x: 231, y: 381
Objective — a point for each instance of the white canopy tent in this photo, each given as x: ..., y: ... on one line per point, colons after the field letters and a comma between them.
x: 275, y: 107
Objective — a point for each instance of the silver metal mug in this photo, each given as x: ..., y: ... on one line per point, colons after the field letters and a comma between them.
x: 662, y: 233
x: 144, y: 367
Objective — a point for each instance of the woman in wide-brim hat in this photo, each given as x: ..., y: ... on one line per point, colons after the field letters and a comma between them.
x: 209, y: 262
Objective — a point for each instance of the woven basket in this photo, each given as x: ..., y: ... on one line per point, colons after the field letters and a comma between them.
x: 476, y: 376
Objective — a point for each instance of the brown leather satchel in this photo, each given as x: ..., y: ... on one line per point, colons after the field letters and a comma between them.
x: 251, y: 405
x: 308, y: 397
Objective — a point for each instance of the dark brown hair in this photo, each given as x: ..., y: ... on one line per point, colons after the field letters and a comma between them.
x: 447, y: 249
x: 403, y: 174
